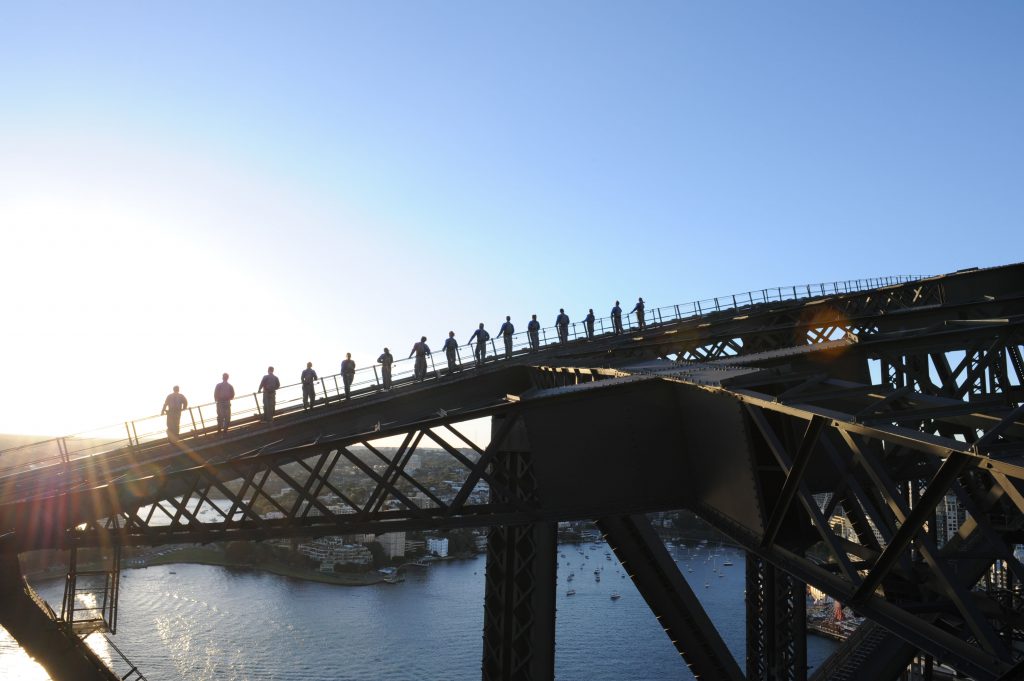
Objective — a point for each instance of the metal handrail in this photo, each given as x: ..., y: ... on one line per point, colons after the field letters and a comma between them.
x: 201, y: 420
x: 133, y: 672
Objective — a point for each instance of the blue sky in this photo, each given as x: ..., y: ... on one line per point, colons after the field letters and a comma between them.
x: 190, y: 188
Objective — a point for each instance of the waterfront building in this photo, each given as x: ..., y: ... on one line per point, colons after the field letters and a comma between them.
x: 438, y: 546
x: 393, y: 544
x: 331, y: 550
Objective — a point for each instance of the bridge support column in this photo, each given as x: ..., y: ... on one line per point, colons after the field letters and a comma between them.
x: 776, y: 623
x: 25, y: 617
x: 519, y: 591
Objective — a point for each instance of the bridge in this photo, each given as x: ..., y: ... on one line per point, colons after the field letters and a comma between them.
x: 823, y: 428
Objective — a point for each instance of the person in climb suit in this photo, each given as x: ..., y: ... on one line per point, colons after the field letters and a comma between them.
x: 223, y: 393
x: 451, y: 351
x: 173, y: 406
x: 269, y: 386
x: 533, y: 331
x: 506, y: 332
x: 639, y: 309
x: 309, y: 379
x: 421, y: 350
x: 481, y: 336
x: 562, y: 323
x: 385, y: 360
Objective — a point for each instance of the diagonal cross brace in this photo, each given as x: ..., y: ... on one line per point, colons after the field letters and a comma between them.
x: 670, y: 597
x: 793, y: 478
x: 405, y: 476
x: 820, y: 521
x: 961, y: 598
x: 910, y: 525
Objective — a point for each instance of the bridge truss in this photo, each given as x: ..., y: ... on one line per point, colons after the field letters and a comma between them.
x: 824, y: 436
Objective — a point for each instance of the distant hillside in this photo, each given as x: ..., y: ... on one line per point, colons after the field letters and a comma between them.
x: 16, y: 450
x: 9, y: 441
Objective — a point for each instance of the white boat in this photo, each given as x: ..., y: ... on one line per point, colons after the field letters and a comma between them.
x: 615, y: 596
x: 570, y: 592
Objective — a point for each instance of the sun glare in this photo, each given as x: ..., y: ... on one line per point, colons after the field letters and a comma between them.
x: 18, y: 666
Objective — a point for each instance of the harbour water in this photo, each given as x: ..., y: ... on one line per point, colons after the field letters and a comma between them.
x: 204, y: 623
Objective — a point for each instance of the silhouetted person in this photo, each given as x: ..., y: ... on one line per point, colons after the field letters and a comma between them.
x: 533, y: 332
x: 309, y: 379
x: 223, y: 393
x: 451, y: 351
x: 173, y: 405
x: 385, y: 360
x: 562, y: 323
x: 639, y: 309
x: 589, y: 322
x: 481, y: 337
x: 269, y: 386
x: 348, y: 372
x: 617, y: 319
x: 506, y: 332
x: 421, y: 350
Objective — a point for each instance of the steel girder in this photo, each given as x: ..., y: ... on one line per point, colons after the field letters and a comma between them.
x: 519, y: 591
x: 919, y: 597
x: 889, y: 478
x: 670, y: 597
x: 776, y: 623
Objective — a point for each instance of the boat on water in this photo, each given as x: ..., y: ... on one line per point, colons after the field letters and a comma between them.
x: 570, y: 592
x: 597, y: 577
x: 615, y: 596
x: 570, y: 577
x: 726, y: 563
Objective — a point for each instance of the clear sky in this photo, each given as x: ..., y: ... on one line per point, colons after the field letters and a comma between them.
x: 188, y: 188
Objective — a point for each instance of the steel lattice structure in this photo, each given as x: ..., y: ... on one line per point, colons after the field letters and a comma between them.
x: 821, y: 435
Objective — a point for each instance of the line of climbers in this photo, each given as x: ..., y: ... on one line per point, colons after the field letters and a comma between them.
x: 224, y: 392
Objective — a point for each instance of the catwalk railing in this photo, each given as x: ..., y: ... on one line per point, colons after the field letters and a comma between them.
x: 247, y: 409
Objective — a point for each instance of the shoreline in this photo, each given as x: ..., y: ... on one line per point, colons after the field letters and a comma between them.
x: 202, y: 555
x: 197, y: 556
x: 338, y: 578
x: 215, y: 558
